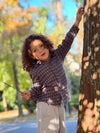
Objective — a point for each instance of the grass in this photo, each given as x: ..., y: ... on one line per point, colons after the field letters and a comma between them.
x: 72, y: 115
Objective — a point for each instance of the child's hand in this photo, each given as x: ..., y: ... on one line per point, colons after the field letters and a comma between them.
x: 80, y: 12
x: 26, y: 95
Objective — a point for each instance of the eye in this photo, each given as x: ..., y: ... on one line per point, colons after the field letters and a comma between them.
x: 34, y: 50
x: 42, y: 46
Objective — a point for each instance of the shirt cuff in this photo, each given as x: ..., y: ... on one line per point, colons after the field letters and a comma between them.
x: 74, y: 30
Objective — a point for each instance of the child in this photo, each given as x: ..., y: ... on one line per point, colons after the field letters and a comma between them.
x: 49, y: 84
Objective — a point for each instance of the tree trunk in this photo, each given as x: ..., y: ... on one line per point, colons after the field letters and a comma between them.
x: 16, y: 81
x: 4, y: 101
x: 17, y: 88
x: 89, y: 100
x: 59, y: 15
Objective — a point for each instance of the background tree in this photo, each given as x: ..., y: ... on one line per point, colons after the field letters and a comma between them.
x: 89, y: 101
x: 79, y: 3
x: 15, y: 23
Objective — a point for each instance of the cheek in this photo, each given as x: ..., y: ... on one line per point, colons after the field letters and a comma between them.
x: 35, y: 55
x: 32, y: 56
x: 48, y: 52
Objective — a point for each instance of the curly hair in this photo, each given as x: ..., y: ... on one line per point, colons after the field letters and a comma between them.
x: 27, y: 61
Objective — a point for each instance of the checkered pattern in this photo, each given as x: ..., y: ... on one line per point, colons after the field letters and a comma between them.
x: 49, y: 79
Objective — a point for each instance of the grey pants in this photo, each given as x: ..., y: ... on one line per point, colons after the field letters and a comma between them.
x: 50, y: 118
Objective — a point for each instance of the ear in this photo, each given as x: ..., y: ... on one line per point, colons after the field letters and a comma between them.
x: 29, y: 52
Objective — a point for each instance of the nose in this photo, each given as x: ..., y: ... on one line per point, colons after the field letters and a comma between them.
x: 40, y: 50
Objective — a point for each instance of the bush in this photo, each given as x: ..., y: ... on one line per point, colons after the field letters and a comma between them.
x: 74, y: 103
x: 75, y: 84
x: 1, y: 107
x: 29, y: 105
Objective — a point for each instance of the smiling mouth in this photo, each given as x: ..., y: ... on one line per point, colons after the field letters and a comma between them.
x: 43, y: 54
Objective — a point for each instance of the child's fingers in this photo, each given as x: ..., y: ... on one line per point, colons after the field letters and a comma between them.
x: 81, y: 10
x: 26, y: 95
x: 23, y: 93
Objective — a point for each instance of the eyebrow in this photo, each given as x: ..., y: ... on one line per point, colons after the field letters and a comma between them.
x: 33, y: 49
x: 39, y: 44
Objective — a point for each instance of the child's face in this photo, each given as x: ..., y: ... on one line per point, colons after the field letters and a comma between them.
x: 38, y: 50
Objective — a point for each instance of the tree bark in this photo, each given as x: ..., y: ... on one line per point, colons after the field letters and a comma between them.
x: 89, y: 99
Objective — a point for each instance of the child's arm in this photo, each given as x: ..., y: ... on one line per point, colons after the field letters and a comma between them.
x: 35, y: 89
x: 63, y: 49
x: 34, y: 92
x: 80, y: 12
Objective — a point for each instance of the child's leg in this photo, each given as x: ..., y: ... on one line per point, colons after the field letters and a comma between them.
x: 48, y: 118
x: 62, y: 126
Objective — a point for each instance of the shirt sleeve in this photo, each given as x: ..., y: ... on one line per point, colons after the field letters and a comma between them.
x: 63, y: 48
x: 36, y: 87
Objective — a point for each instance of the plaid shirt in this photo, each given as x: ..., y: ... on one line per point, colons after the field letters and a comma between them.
x: 49, y: 83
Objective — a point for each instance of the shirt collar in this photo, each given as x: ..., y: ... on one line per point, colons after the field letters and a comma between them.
x: 38, y: 62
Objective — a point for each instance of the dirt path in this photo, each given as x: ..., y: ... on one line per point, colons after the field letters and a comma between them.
x: 13, y: 113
